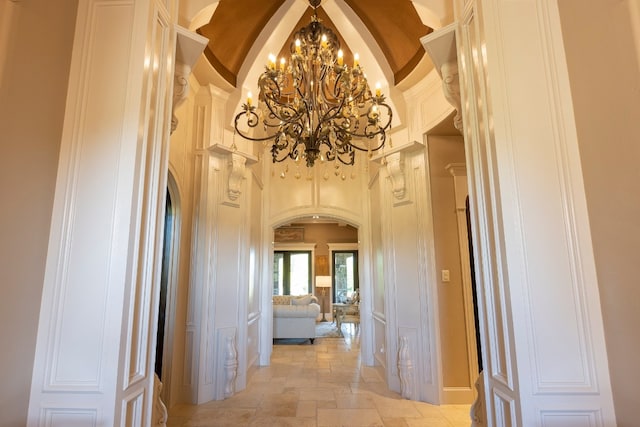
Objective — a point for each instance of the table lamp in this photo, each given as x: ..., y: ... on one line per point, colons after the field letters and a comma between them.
x: 323, y: 282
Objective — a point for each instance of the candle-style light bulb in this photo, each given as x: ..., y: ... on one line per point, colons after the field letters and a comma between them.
x: 282, y: 63
x: 323, y: 41
x: 298, y: 45
x: 340, y: 57
x: 356, y: 60
x: 378, y: 87
x: 249, y: 96
x: 272, y: 61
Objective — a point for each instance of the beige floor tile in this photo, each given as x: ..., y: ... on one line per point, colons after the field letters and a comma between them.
x: 283, y: 422
x: 221, y: 417
x: 354, y: 401
x: 394, y: 422
x: 278, y: 410
x: 174, y: 421
x: 318, y: 393
x: 349, y: 417
x: 428, y: 411
x: 427, y: 422
x: 323, y: 384
x: 327, y: 404
x: 390, y: 408
x: 307, y: 409
x: 300, y: 382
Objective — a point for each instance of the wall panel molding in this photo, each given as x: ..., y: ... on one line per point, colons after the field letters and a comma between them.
x: 102, y: 257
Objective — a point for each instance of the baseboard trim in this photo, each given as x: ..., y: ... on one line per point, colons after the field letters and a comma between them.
x: 458, y: 395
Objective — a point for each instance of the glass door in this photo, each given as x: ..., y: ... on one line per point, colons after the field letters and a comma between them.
x: 291, y: 272
x: 345, y: 275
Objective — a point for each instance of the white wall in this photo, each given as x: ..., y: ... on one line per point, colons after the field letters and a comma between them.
x: 378, y: 277
x: 605, y: 77
x: 35, y: 37
x: 457, y: 378
x: 181, y: 167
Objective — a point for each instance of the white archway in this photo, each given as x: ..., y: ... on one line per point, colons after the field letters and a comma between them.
x: 366, y: 337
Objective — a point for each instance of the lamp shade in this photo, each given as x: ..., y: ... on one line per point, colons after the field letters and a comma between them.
x: 323, y: 281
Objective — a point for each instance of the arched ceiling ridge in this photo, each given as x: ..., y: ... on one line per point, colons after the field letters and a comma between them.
x: 270, y: 40
x: 193, y: 14
x: 373, y: 60
x: 434, y: 13
x: 360, y: 40
x: 275, y: 33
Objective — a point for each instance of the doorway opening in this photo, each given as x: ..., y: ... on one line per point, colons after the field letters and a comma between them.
x: 345, y: 275
x: 313, y: 247
x: 168, y: 289
x: 474, y: 290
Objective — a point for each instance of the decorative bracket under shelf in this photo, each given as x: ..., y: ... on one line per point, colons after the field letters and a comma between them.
x: 237, y: 163
x: 393, y: 159
x: 189, y: 47
x: 441, y: 47
x: 395, y: 169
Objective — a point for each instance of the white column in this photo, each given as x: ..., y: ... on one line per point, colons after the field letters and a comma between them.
x: 96, y: 337
x: 218, y: 291
x: 545, y: 357
x: 410, y: 284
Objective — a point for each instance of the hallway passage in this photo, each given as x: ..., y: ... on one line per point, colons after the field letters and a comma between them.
x: 322, y: 384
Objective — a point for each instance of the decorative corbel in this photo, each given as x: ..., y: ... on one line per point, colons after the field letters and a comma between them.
x: 451, y: 89
x: 236, y: 165
x: 441, y: 47
x: 236, y: 175
x: 395, y: 169
x: 180, y: 90
x: 189, y: 46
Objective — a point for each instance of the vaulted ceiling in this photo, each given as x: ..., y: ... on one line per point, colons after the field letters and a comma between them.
x: 394, y: 26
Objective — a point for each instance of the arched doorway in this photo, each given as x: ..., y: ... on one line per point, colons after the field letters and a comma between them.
x: 168, y: 288
x: 308, y: 248
x: 319, y: 242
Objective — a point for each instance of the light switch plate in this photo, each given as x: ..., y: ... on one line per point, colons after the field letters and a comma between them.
x: 445, y: 275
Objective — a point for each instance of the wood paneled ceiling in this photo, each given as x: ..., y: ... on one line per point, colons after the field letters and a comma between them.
x: 236, y: 24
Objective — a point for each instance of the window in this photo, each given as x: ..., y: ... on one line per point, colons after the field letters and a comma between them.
x: 345, y: 274
x: 291, y: 272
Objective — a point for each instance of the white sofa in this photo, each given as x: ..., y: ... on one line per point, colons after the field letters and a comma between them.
x: 295, y: 316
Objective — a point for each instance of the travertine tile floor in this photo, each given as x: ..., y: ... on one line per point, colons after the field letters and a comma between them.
x: 318, y: 385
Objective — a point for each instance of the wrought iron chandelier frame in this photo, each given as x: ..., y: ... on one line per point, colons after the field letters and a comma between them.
x: 316, y: 106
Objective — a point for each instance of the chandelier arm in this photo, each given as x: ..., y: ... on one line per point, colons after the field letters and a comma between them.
x: 278, y: 116
x: 339, y: 155
x: 383, y: 139
x: 380, y: 129
x: 272, y: 95
x: 251, y: 124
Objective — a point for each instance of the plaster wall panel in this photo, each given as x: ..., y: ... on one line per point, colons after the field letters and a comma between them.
x: 289, y: 194
x: 29, y: 165
x: 377, y: 250
x: 226, y: 268
x: 611, y: 174
x: 255, y: 248
x: 443, y: 151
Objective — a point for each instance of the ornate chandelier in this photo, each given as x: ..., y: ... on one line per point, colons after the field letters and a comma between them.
x: 315, y: 106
